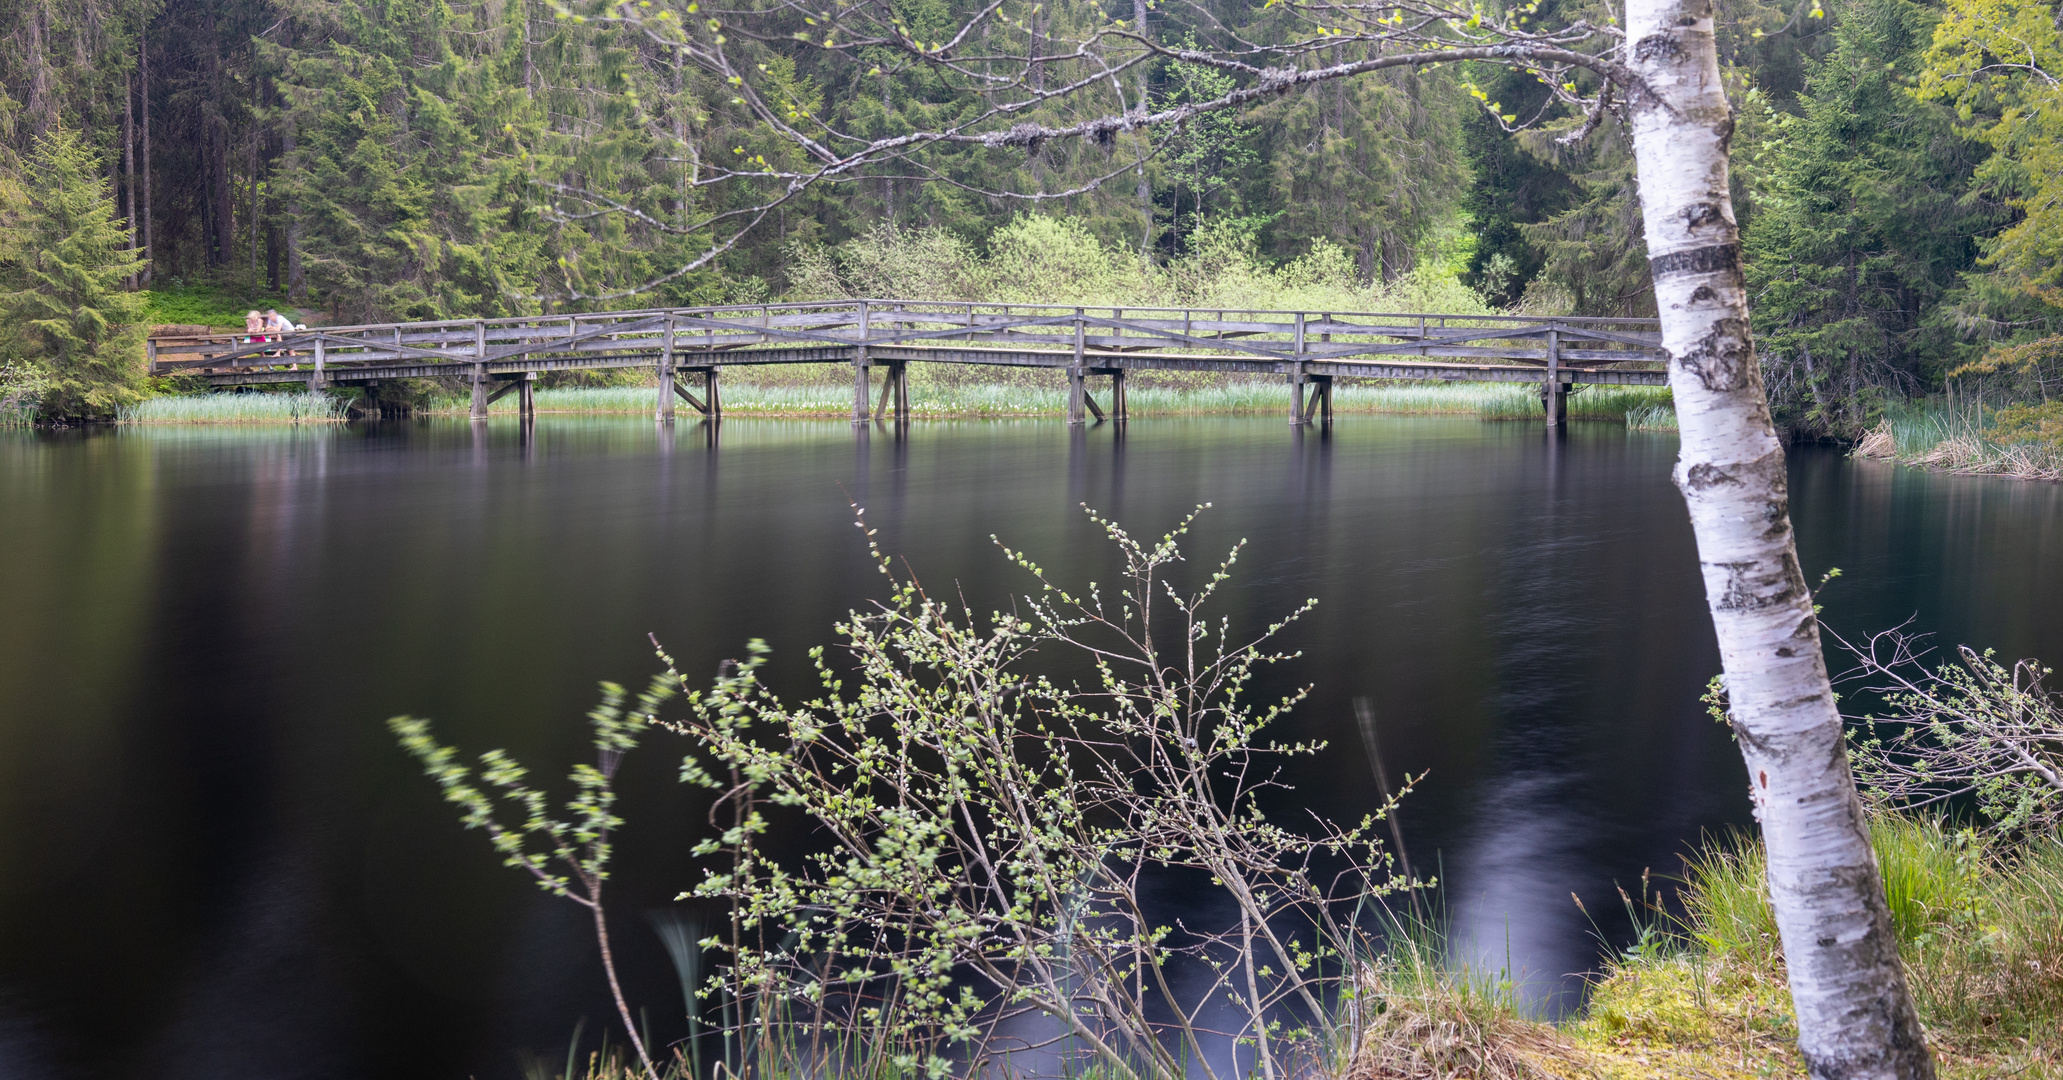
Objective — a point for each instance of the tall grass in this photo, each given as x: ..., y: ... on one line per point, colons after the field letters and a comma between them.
x: 938, y: 398
x: 1935, y: 433
x: 1979, y: 922
x: 263, y: 408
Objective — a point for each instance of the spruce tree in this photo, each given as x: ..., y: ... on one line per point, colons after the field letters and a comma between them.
x: 1866, y: 224
x: 63, y: 257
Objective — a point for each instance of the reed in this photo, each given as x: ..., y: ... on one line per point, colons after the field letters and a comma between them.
x: 259, y: 408
x: 939, y: 398
x: 1936, y: 433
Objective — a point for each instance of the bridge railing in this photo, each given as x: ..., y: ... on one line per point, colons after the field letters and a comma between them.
x: 801, y: 331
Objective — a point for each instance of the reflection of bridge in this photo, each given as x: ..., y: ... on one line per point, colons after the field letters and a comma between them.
x: 1309, y: 349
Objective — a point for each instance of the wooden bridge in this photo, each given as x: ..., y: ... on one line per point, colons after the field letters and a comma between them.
x: 1307, y: 349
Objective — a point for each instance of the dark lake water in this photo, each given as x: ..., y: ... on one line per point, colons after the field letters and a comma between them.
x: 214, y: 862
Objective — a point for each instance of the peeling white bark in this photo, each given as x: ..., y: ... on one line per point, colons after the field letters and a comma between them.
x: 1855, y: 1017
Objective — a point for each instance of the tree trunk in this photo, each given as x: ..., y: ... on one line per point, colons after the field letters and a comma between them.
x: 225, y: 211
x: 41, y: 105
x: 129, y: 163
x: 296, y: 287
x: 1145, y: 192
x: 1855, y: 1018
x: 143, y: 78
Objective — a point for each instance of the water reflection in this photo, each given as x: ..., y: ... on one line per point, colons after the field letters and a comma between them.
x: 206, y: 833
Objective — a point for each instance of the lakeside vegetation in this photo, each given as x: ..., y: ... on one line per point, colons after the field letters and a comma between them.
x: 2024, y: 442
x: 1640, y: 408
x: 935, y: 747
x: 1700, y: 991
x: 1394, y: 191
x: 246, y: 408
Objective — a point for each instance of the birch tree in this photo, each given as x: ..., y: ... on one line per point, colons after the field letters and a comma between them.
x: 1855, y: 1017
x: 1658, y: 76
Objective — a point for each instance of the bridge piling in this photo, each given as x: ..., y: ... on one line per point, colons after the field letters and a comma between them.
x: 1554, y: 397
x: 526, y: 397
x: 1077, y: 390
x: 859, y: 370
x: 663, y: 410
x: 1298, y: 414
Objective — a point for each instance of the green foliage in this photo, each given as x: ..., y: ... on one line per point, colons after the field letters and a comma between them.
x: 1204, y: 157
x: 1979, y: 923
x: 1999, y: 63
x: 1036, y: 258
x: 988, y: 837
x: 2041, y: 425
x: 64, y: 260
x: 1508, y: 189
x: 1593, y: 256
x: 209, y: 305
x: 567, y: 856
x: 1970, y: 730
x: 1864, y: 226
x: 1373, y: 165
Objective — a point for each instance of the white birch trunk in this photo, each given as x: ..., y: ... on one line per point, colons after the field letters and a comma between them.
x: 1855, y: 1018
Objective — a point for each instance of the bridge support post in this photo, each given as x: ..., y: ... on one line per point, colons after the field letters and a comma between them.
x: 663, y: 411
x: 1118, y: 411
x: 479, y: 409
x: 1321, y: 400
x: 1298, y: 416
x: 315, y: 376
x: 1554, y: 397
x: 526, y: 396
x: 859, y: 370
x: 710, y: 396
x: 1077, y: 390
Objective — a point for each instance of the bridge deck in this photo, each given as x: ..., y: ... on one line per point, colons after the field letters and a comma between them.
x: 1309, y: 349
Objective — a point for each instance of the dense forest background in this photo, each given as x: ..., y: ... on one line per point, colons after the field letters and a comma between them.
x: 400, y: 159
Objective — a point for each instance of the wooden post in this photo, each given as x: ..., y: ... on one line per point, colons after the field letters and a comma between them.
x: 664, y: 408
x: 1296, y: 378
x: 859, y: 370
x: 479, y: 409
x: 1077, y: 413
x: 902, y: 392
x: 526, y: 400
x: 1326, y: 390
x: 1117, y: 395
x: 315, y: 376
x: 1553, y: 398
x: 710, y: 395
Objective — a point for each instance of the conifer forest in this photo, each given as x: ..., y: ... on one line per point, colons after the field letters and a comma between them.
x: 1898, y: 165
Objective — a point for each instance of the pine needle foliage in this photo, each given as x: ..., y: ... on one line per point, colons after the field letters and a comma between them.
x: 64, y: 258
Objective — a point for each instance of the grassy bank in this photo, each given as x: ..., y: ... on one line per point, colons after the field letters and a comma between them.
x: 1703, y: 994
x: 1935, y: 434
